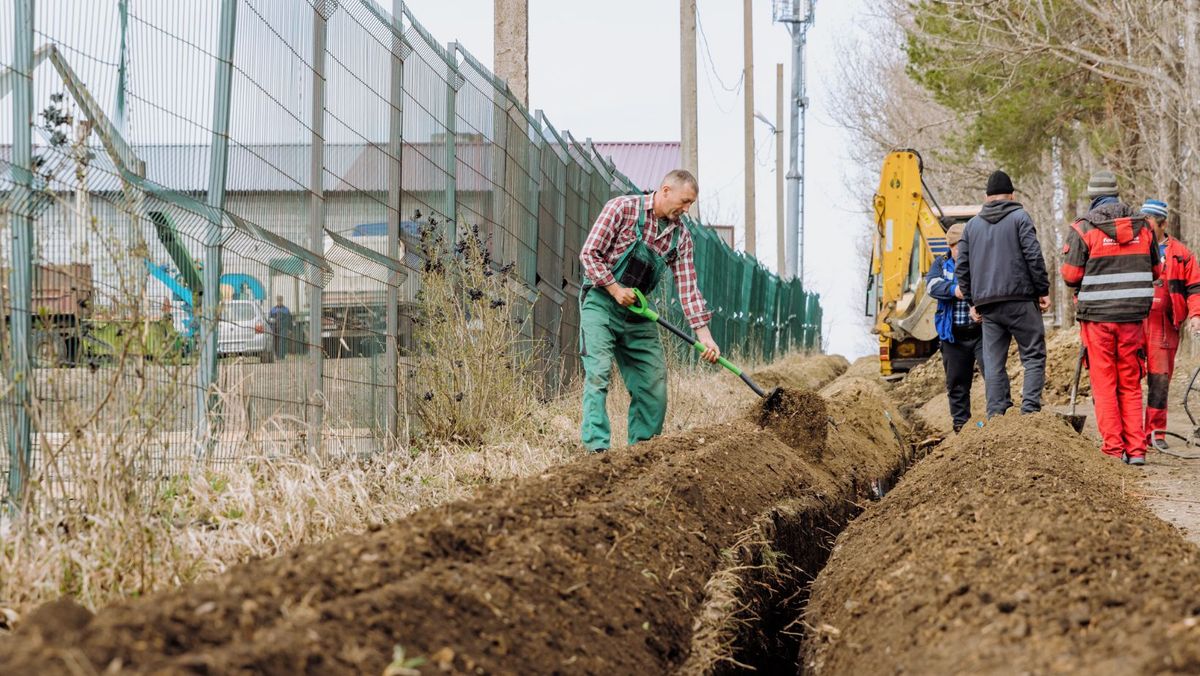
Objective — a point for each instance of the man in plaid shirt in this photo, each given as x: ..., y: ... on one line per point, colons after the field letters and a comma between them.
x: 960, y: 333
x: 615, y: 261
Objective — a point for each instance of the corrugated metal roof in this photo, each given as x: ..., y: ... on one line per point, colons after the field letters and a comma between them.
x: 645, y: 163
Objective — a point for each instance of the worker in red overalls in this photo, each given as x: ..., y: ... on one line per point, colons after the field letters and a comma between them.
x: 1176, y: 299
x: 1111, y: 260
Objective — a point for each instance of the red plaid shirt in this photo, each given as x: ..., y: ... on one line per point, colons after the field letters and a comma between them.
x: 614, y: 233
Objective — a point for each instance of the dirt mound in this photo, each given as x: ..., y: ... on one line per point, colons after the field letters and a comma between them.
x: 599, y: 566
x: 1062, y: 354
x: 802, y: 372
x: 923, y: 390
x: 864, y: 367
x: 922, y: 383
x: 1010, y: 549
x: 795, y: 416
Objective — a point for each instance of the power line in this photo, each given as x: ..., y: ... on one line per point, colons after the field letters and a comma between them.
x: 737, y: 86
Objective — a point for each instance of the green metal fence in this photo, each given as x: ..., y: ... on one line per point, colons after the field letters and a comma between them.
x: 211, y: 212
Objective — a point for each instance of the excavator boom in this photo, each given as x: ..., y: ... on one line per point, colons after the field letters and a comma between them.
x: 908, y: 235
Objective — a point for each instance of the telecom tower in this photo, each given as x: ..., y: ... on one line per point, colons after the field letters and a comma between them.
x: 797, y: 15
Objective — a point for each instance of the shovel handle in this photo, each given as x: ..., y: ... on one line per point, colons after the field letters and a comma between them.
x: 642, y: 309
x: 1078, y: 371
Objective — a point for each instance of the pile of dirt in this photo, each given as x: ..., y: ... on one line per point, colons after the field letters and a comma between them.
x: 1010, y: 549
x: 922, y: 383
x: 923, y: 390
x: 1062, y: 354
x: 599, y: 566
x: 806, y: 372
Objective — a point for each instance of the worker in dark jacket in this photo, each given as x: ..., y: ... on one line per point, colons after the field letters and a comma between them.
x: 1176, y: 299
x: 1002, y: 274
x: 1111, y: 260
x: 960, y: 334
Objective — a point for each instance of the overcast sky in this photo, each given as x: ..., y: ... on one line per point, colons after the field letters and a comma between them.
x: 610, y: 71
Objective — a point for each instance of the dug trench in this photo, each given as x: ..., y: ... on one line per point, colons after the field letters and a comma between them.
x: 649, y: 560
x: 1014, y: 548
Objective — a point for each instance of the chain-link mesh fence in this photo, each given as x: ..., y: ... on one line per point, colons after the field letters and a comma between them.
x: 213, y: 212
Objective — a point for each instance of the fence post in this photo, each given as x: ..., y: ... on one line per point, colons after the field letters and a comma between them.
x: 316, y: 236
x: 207, y: 423
x: 453, y: 82
x: 395, y: 150
x: 20, y: 450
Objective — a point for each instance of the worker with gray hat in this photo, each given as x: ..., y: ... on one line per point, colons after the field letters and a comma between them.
x: 1112, y: 261
x: 959, y: 332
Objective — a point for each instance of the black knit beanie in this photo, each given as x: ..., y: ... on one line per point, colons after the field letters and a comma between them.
x: 999, y: 184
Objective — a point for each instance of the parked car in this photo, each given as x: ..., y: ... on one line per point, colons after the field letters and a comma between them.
x: 243, y: 330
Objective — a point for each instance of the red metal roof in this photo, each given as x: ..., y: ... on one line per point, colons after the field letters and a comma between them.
x: 645, y: 163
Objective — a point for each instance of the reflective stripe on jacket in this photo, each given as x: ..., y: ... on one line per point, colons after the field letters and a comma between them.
x: 1112, y: 263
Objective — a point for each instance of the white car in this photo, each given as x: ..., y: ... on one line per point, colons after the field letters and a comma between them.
x: 243, y: 330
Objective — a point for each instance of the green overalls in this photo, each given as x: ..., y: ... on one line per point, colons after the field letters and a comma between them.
x: 609, y: 331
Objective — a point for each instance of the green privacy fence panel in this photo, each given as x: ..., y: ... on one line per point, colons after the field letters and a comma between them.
x: 350, y: 130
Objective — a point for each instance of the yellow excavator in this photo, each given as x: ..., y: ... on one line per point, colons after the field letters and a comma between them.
x: 910, y: 230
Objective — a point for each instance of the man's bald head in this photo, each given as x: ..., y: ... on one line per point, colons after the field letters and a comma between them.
x: 676, y: 195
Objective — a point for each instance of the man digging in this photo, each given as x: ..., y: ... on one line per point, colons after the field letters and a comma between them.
x: 636, y: 239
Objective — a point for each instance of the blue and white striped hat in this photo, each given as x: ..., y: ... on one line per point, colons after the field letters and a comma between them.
x: 1157, y: 208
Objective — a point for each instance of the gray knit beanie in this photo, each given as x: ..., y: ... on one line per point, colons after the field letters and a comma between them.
x: 1102, y: 184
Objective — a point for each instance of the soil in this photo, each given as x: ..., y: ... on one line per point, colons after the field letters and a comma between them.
x: 598, y: 566
x: 806, y: 372
x: 924, y: 396
x: 1015, y: 548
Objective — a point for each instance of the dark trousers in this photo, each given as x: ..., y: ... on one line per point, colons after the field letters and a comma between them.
x: 959, y: 359
x: 1004, y: 322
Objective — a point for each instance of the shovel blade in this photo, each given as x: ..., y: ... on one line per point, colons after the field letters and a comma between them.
x: 1075, y: 421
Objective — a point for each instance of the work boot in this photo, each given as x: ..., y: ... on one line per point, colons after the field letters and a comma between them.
x: 1137, y: 460
x: 1160, y: 444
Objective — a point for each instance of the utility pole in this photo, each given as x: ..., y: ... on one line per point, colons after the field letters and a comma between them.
x: 748, y: 114
x: 688, y: 121
x: 780, y: 247
x: 511, y: 37
x: 798, y: 15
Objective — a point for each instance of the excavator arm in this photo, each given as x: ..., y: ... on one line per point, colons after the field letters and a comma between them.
x: 908, y: 234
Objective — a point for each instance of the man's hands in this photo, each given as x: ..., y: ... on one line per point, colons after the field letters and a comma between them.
x: 958, y: 292
x: 1044, y: 303
x: 622, y: 294
x: 1193, y: 324
x: 975, y: 316
x: 710, y: 355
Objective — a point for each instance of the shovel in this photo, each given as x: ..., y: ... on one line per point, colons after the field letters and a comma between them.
x: 1074, y: 420
x: 642, y: 309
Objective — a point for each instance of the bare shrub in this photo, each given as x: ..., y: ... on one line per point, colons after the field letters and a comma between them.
x: 474, y: 362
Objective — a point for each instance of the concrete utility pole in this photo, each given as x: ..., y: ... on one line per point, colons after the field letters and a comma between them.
x: 798, y: 15
x: 780, y: 245
x: 688, y: 121
x: 748, y: 114
x: 512, y: 46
